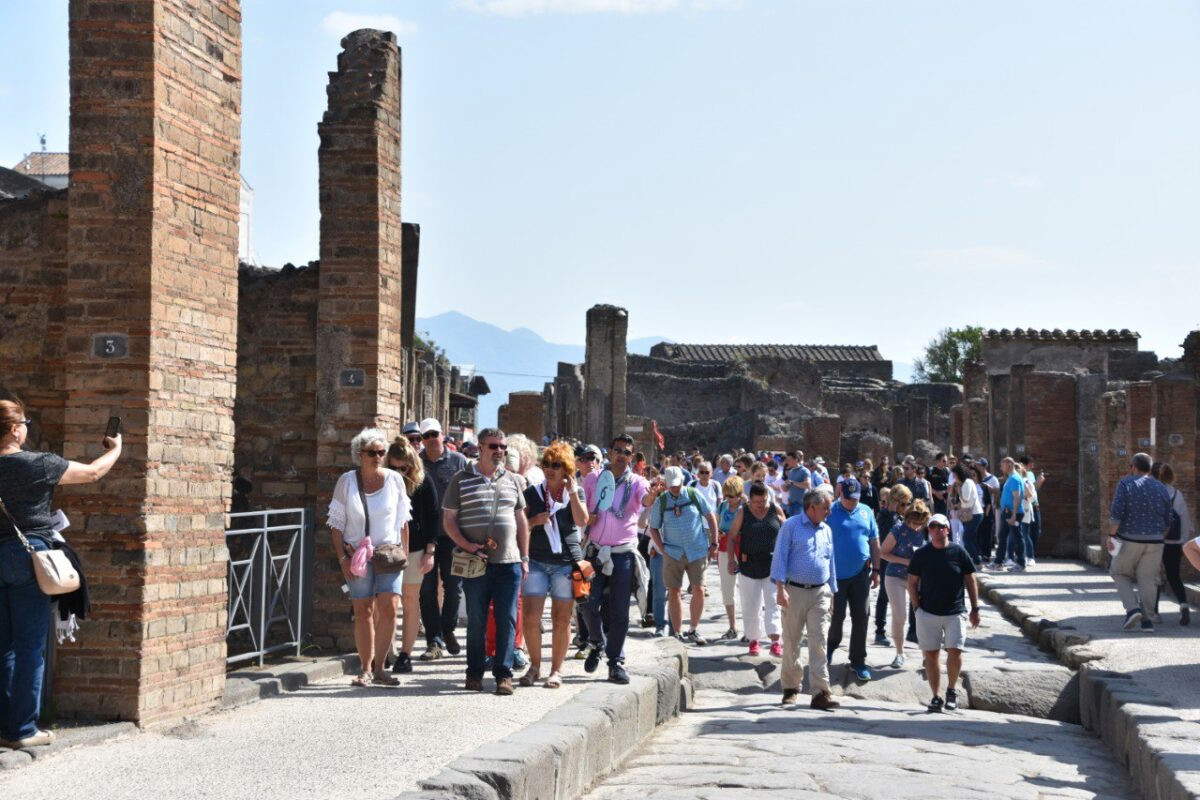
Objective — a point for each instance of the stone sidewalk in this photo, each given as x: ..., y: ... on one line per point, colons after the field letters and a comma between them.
x: 326, y: 740
x: 737, y: 742
x: 1139, y: 691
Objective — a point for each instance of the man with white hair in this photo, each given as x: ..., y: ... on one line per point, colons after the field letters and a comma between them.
x: 724, y: 469
x: 679, y: 516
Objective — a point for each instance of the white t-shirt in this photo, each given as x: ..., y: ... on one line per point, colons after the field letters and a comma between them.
x: 970, y: 497
x: 390, y: 509
x: 712, y: 492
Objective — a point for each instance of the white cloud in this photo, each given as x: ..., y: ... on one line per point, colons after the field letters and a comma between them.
x: 522, y: 8
x: 339, y: 23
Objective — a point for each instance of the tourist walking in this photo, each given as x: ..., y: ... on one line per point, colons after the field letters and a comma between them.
x: 684, y: 527
x: 422, y: 543
x: 939, y: 483
x: 371, y: 502
x: 798, y: 480
x: 752, y: 536
x: 856, y: 553
x: 1182, y: 529
x: 557, y: 513
x: 612, y: 543
x: 439, y: 608
x: 915, y: 483
x: 938, y: 575
x: 804, y: 574
x: 1010, y: 549
x: 905, y: 536
x: 27, y: 482
x: 1140, y: 516
x: 969, y: 509
x: 483, y: 512
x: 733, y: 501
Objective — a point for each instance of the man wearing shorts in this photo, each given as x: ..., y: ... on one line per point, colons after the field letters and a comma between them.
x: 937, y: 575
x: 683, y: 527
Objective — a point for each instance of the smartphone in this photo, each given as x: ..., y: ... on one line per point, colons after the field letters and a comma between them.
x: 113, y: 429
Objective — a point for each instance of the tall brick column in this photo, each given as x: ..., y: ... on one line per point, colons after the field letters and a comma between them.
x: 359, y: 317
x: 410, y: 257
x: 998, y: 439
x: 1175, y: 430
x: 1051, y: 436
x: 1089, y: 390
x: 604, y: 372
x: 152, y: 295
x: 1140, y: 406
x: 1017, y: 398
x: 901, y: 430
x: 1114, y: 452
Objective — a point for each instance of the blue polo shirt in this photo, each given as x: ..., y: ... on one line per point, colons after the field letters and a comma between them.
x: 1014, y: 483
x: 799, y: 474
x: 681, y: 523
x: 852, y: 534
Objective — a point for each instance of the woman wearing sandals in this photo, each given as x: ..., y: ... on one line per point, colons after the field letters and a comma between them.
x: 422, y: 541
x: 557, y: 515
x: 906, y: 535
x: 375, y: 595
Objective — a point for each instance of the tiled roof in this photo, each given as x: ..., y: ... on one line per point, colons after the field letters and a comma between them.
x: 14, y: 185
x: 797, y: 352
x: 1071, y: 335
x: 36, y: 164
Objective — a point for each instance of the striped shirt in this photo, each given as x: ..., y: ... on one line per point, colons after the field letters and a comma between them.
x: 488, y: 507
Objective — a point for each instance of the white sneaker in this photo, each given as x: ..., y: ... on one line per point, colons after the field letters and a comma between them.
x: 1031, y: 562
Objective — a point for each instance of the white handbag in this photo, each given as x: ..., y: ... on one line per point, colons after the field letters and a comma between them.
x: 54, y: 571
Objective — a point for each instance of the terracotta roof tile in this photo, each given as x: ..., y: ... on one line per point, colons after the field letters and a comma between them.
x: 36, y: 164
x: 1071, y: 335
x: 819, y: 353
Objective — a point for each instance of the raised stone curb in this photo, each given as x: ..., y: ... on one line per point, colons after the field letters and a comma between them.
x: 561, y: 755
x: 1145, y: 737
x: 247, y: 686
x: 65, y: 738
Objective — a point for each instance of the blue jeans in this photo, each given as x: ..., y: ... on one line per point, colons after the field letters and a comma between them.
x: 24, y: 626
x: 499, y: 584
x: 1012, y: 542
x: 607, y: 610
x: 658, y: 592
x: 971, y: 538
x: 1035, y: 531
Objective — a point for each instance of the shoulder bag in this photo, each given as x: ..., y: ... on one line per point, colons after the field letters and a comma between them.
x: 53, y: 570
x: 473, y: 565
x: 388, y: 558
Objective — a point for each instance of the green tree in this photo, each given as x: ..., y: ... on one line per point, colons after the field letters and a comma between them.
x: 946, y: 354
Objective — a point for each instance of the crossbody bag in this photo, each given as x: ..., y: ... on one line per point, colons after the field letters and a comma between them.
x: 54, y: 571
x: 473, y: 565
x: 388, y: 558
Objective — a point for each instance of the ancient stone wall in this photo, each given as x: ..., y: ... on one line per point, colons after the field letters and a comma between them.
x: 275, y: 413
x: 525, y: 412
x: 568, y: 401
x: 605, y: 372
x: 1056, y: 351
x: 1051, y: 438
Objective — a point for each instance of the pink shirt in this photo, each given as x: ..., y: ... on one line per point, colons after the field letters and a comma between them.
x: 610, y: 529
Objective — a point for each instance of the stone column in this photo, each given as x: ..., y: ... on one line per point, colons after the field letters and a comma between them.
x: 152, y: 299
x: 1017, y: 398
x: 998, y: 419
x: 918, y: 416
x: 1140, y: 407
x: 359, y: 338
x: 901, y: 432
x: 977, y: 427
x: 1175, y: 430
x: 604, y: 373
x: 974, y: 379
x: 411, y: 254
x: 1049, y: 411
x: 1089, y: 389
x: 1114, y: 452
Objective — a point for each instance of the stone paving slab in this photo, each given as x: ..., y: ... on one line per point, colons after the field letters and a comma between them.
x: 1139, y: 691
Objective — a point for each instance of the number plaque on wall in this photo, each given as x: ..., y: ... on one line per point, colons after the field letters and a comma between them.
x: 353, y: 378
x: 110, y: 345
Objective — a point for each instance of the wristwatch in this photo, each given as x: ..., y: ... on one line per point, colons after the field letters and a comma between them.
x: 524, y: 559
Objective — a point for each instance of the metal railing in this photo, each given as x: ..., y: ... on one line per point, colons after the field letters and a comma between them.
x: 267, y: 570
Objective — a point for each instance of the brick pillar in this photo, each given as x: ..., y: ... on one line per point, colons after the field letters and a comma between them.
x: 901, y: 435
x: 998, y: 419
x: 1051, y: 436
x: 958, y: 422
x: 823, y: 437
x: 1089, y: 389
x: 1140, y: 407
x: 411, y: 254
x: 568, y: 391
x: 359, y: 337
x: 1175, y: 430
x: 153, y: 240
x: 975, y: 379
x: 604, y: 373
x: 1114, y: 452
x: 977, y: 427
x: 918, y: 416
x: 1017, y: 397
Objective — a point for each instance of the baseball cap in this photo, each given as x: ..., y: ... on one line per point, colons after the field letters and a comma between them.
x: 430, y: 424
x: 983, y: 462
x: 818, y: 460
x: 673, y: 476
x: 851, y: 488
x: 595, y: 451
x: 939, y: 519
x: 411, y: 427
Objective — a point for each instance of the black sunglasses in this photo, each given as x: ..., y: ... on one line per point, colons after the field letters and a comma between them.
x: 413, y: 437
x: 430, y: 435
x: 588, y: 457
x: 376, y: 453
x: 618, y: 450
x: 553, y: 465
x: 495, y: 446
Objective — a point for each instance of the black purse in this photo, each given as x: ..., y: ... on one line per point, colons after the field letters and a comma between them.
x: 388, y: 558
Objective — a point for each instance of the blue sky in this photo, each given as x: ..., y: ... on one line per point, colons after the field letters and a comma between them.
x: 743, y: 170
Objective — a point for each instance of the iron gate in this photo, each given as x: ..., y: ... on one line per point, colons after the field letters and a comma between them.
x: 268, y: 559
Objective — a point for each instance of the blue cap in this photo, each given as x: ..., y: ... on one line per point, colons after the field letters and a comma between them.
x: 851, y: 489
x: 983, y: 462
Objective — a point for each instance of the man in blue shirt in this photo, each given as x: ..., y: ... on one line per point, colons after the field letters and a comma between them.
x: 1011, y: 547
x: 856, y: 550
x: 683, y: 527
x: 797, y: 480
x: 805, y: 577
x: 1141, y: 515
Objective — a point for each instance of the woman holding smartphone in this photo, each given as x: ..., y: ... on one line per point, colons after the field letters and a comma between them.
x: 27, y: 481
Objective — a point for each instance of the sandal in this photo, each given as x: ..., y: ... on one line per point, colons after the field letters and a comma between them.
x: 554, y: 681
x: 362, y: 681
x: 384, y: 679
x: 529, y: 679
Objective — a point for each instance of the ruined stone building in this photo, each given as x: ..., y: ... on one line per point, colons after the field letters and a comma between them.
x: 125, y: 297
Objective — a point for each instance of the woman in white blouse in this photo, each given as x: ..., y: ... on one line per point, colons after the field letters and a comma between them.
x: 375, y: 595
x: 970, y: 510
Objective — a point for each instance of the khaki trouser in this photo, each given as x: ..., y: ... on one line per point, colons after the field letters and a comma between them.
x: 1137, y: 561
x: 811, y: 609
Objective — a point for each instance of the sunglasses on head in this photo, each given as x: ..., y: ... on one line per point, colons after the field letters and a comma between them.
x: 430, y: 435
x: 376, y: 453
x: 497, y: 446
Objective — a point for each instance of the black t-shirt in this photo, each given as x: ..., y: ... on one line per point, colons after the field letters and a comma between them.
x: 570, y: 537
x: 441, y: 471
x: 423, y: 527
x: 27, y: 482
x: 941, y: 584
x: 756, y: 542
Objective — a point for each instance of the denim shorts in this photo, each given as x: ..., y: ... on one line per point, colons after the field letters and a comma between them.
x: 552, y: 579
x: 373, y: 583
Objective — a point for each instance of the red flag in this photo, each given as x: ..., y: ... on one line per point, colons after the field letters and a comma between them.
x: 658, y: 437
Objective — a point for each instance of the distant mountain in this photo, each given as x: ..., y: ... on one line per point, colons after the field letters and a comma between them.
x: 512, y: 361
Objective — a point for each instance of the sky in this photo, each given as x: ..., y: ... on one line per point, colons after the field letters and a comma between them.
x: 742, y: 170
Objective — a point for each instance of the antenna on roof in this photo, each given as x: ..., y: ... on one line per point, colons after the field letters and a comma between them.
x: 42, y: 161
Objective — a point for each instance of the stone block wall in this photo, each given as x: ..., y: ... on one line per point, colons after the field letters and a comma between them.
x: 823, y: 437
x: 525, y: 412
x: 1051, y: 438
